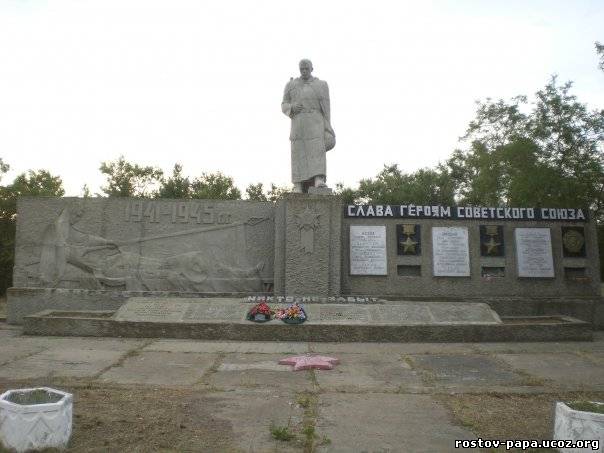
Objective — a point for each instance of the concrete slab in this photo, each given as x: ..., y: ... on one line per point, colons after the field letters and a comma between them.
x: 259, y: 347
x: 386, y: 423
x: 537, y: 347
x: 391, y: 348
x: 240, y: 371
x: 160, y: 368
x: 251, y: 415
x: 97, y: 344
x: 369, y: 372
x: 596, y: 357
x: 7, y: 333
x: 10, y: 351
x: 83, y: 343
x: 470, y: 369
x: 61, y: 362
x: 565, y: 369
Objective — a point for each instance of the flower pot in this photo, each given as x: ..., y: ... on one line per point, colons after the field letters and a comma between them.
x: 35, y: 418
x: 578, y: 425
x: 293, y: 320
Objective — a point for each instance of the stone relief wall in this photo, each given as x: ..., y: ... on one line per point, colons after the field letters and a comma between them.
x: 145, y: 245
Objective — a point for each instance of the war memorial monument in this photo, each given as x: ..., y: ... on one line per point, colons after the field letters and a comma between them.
x: 192, y: 268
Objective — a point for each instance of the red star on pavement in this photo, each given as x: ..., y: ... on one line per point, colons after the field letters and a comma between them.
x: 307, y: 362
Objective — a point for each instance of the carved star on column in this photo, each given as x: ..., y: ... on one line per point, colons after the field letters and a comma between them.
x: 408, y: 245
x: 307, y: 362
x: 491, y: 245
x: 308, y: 219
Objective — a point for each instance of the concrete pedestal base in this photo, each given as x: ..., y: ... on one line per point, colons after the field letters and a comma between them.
x: 307, y: 245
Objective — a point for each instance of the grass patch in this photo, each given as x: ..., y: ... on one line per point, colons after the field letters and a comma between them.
x: 140, y: 418
x: 282, y: 433
x: 530, y: 380
x: 509, y: 416
x: 304, y: 401
x: 586, y: 406
x: 38, y: 396
x: 324, y: 441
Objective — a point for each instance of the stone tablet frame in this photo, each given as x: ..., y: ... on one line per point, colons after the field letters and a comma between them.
x: 461, y: 234
x: 379, y: 233
x: 548, y: 269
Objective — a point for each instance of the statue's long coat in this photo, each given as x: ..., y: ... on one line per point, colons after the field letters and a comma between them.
x: 308, y: 127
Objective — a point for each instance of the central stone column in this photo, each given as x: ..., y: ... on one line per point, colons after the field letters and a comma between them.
x: 307, y: 245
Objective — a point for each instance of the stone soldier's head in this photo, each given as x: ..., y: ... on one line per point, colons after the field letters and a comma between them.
x: 305, y: 68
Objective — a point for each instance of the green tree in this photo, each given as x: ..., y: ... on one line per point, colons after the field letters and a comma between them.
x: 215, y: 186
x: 32, y: 183
x: 275, y: 193
x: 348, y: 194
x: 392, y: 186
x: 550, y: 155
x: 176, y: 186
x: 130, y: 180
x: 255, y: 192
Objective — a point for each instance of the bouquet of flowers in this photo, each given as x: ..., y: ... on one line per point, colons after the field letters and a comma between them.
x: 293, y: 314
x: 260, y: 313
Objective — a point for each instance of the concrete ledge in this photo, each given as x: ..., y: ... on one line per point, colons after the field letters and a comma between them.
x: 22, y: 302
x: 97, y: 324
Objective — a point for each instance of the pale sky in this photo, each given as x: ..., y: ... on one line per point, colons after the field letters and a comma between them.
x: 201, y: 82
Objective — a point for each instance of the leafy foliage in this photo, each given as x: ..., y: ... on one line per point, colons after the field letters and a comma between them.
x: 348, y: 194
x: 392, y: 186
x: 214, y: 186
x: 551, y: 155
x: 176, y: 186
x: 600, y: 51
x: 255, y: 192
x: 130, y: 180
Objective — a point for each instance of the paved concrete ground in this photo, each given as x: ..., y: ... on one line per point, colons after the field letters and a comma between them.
x: 381, y: 398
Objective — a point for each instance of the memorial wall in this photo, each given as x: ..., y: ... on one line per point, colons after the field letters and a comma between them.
x: 455, y: 252
x: 128, y: 244
x: 95, y: 253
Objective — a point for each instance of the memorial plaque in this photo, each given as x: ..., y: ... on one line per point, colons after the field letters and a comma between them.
x: 154, y: 310
x: 215, y: 312
x: 368, y: 250
x: 408, y: 313
x: 534, y: 252
x: 343, y: 313
x: 450, y: 252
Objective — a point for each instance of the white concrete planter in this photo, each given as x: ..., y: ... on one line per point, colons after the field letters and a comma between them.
x: 31, y: 425
x: 578, y: 425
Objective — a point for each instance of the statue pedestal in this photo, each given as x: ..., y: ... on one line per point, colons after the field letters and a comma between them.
x: 307, y: 245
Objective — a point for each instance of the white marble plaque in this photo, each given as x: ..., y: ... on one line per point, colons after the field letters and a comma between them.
x: 368, y: 250
x: 450, y: 252
x: 534, y: 252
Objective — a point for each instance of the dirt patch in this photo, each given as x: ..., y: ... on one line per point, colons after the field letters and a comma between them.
x: 142, y: 418
x: 508, y: 416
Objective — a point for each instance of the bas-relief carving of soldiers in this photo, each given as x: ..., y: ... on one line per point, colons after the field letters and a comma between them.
x: 306, y: 102
x: 65, y: 244
x: 104, y: 265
